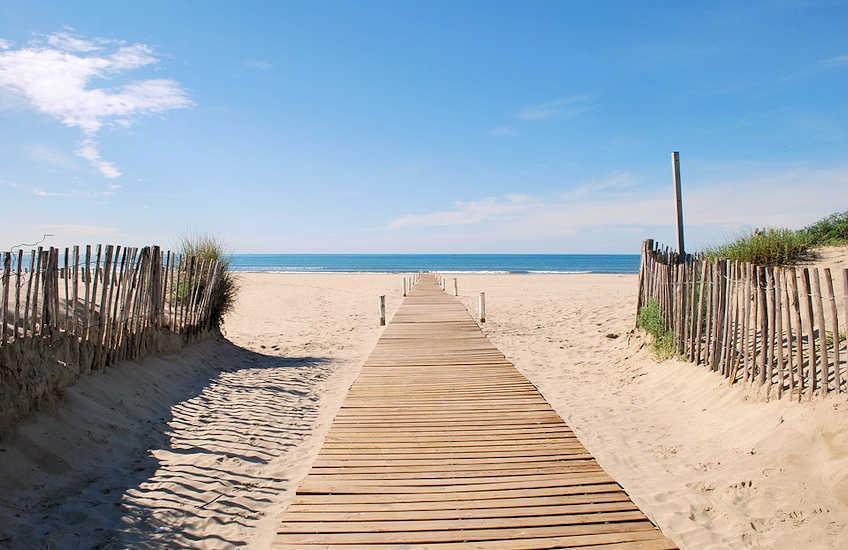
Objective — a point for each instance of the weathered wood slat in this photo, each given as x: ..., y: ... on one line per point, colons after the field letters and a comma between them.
x: 441, y: 441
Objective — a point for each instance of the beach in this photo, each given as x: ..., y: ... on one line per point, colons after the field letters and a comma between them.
x: 205, y: 447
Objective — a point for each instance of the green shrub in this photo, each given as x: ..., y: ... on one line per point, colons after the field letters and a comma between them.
x: 772, y: 246
x: 224, y: 294
x: 652, y: 322
x: 829, y: 231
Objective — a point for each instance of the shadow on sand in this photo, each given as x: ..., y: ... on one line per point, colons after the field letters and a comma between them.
x: 205, y: 465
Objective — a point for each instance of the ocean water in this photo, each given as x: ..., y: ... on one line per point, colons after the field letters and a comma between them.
x: 456, y: 263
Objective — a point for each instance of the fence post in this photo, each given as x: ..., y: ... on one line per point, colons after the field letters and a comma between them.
x: 678, y: 201
x: 7, y: 262
x: 404, y: 286
x: 382, y: 310
x: 482, y: 307
x: 455, y: 287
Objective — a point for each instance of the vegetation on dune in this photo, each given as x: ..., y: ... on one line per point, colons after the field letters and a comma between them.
x: 778, y: 246
x: 829, y: 231
x: 208, y: 247
x: 651, y: 321
x: 772, y: 246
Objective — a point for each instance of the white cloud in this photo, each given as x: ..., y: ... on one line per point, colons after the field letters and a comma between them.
x: 561, y: 107
x: 5, y: 44
x: 88, y: 150
x: 54, y: 75
x: 70, y: 43
x: 619, y: 211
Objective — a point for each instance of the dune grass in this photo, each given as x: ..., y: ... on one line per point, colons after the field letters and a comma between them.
x: 772, y: 246
x: 651, y: 321
x: 776, y: 246
x: 208, y: 247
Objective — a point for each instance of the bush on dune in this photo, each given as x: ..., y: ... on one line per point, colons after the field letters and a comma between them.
x: 209, y: 248
x: 772, y: 246
x: 651, y: 321
x: 777, y: 246
x: 829, y: 231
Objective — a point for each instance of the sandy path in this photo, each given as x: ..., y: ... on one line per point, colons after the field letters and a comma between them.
x: 199, y: 449
x: 712, y: 467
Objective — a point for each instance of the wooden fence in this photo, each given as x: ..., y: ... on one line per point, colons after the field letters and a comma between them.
x: 775, y: 327
x: 108, y: 296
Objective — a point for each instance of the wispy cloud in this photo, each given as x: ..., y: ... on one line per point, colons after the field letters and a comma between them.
x: 258, y: 64
x: 466, y: 213
x: 562, y: 107
x: 54, y: 75
x: 624, y: 209
x: 504, y: 131
x: 41, y: 192
x: 836, y: 61
x: 48, y: 155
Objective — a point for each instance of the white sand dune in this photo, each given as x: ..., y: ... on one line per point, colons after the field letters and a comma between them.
x: 203, y: 449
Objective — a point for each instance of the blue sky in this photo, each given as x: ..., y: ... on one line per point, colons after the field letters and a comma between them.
x: 437, y: 127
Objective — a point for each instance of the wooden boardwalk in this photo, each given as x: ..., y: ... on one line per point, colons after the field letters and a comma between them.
x: 442, y: 443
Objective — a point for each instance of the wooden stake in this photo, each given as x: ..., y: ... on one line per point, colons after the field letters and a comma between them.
x: 818, y: 306
x: 39, y: 276
x: 762, y: 328
x: 746, y: 324
x: 27, y: 324
x: 700, y: 321
x: 7, y: 266
x: 18, y: 293
x: 382, y: 310
x: 834, y: 323
x: 778, y: 327
x: 482, y: 307
x: 807, y: 306
x: 770, y: 332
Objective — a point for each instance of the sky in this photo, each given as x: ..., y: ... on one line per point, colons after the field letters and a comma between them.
x: 437, y: 127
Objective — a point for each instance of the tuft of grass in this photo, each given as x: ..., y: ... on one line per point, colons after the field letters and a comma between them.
x: 771, y: 247
x: 829, y: 231
x: 651, y: 321
x: 223, y: 296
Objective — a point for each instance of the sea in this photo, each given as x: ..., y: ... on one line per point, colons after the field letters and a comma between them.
x: 445, y: 263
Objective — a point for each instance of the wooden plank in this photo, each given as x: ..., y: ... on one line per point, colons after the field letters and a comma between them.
x: 442, y: 441
x: 75, y: 293
x: 86, y: 305
x: 824, y: 361
x: 17, y: 318
x: 7, y: 269
x: 830, y: 297
x: 807, y: 306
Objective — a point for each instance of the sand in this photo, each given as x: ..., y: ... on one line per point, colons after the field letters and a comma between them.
x: 712, y: 466
x: 203, y: 449
x: 200, y: 449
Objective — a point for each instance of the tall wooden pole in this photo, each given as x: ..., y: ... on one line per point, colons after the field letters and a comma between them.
x: 678, y: 201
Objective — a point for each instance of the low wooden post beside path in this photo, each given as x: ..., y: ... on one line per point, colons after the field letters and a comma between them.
x: 442, y: 442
